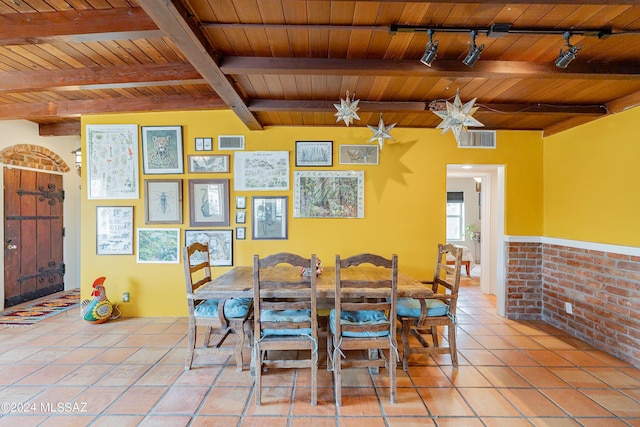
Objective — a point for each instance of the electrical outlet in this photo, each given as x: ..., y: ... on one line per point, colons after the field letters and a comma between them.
x: 125, y: 297
x: 568, y: 308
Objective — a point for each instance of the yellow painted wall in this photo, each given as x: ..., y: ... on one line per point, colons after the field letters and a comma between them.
x: 404, y: 202
x: 592, y: 181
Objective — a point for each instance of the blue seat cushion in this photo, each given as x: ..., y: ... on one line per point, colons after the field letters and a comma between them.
x: 410, y: 307
x: 286, y: 316
x: 364, y: 317
x: 234, y: 308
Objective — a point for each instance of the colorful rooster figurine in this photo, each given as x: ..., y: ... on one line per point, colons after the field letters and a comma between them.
x: 99, y: 309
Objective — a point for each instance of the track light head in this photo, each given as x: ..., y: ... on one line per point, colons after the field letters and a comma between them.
x: 431, y: 50
x: 565, y: 58
x: 474, y: 51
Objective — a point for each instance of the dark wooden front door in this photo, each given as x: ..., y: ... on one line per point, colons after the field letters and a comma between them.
x: 33, y: 235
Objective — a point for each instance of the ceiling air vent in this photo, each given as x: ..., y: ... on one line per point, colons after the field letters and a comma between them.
x: 477, y: 139
x: 231, y: 142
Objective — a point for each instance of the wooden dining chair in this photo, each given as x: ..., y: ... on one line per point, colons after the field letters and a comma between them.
x: 225, y: 316
x: 362, y: 325
x: 285, y: 323
x: 421, y: 317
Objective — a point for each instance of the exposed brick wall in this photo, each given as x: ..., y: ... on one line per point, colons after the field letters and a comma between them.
x: 524, y: 281
x: 602, y: 287
x: 33, y: 156
x: 604, y: 290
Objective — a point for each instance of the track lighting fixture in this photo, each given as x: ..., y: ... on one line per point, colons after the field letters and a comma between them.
x: 431, y: 51
x: 568, y: 55
x: 474, y: 51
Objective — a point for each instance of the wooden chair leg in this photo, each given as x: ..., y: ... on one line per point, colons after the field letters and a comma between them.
x: 329, y: 351
x: 434, y: 335
x: 258, y: 372
x: 406, y: 348
x: 207, y: 336
x: 239, y: 331
x: 337, y: 379
x: 452, y: 345
x: 392, y: 376
x: 314, y: 378
x: 190, y: 349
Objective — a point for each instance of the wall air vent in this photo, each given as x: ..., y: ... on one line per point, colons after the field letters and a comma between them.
x: 477, y: 139
x: 231, y: 142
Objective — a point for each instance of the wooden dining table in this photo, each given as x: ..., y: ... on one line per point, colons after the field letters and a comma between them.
x: 238, y: 283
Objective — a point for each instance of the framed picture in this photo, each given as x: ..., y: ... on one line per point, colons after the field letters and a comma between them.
x: 241, y: 217
x: 241, y: 233
x: 158, y: 245
x: 241, y: 202
x: 209, y: 164
x: 261, y: 170
x: 335, y: 194
x: 162, y: 149
x: 314, y: 153
x: 203, y: 144
x: 359, y: 154
x: 270, y: 217
x: 209, y: 202
x: 114, y: 230
x: 112, y: 162
x: 220, y: 245
x: 163, y: 201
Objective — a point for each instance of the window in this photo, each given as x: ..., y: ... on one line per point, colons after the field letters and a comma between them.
x: 455, y: 215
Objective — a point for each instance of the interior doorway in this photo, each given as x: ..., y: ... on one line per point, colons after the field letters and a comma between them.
x: 491, y: 215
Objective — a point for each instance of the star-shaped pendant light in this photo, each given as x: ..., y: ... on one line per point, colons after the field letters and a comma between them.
x: 347, y: 109
x: 381, y: 132
x: 458, y: 117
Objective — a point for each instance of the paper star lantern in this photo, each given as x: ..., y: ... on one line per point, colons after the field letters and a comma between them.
x: 458, y: 117
x: 381, y: 132
x: 347, y: 109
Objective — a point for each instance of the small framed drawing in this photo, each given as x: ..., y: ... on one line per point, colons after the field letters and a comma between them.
x: 204, y: 144
x: 114, y: 230
x: 162, y: 149
x: 241, y: 233
x: 270, y: 217
x: 241, y: 202
x: 359, y: 154
x: 163, y: 201
x: 158, y: 245
x: 209, y: 202
x: 241, y: 217
x: 220, y: 245
x: 209, y: 164
x: 314, y: 153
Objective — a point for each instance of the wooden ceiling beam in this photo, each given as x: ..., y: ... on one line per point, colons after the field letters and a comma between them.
x: 525, y: 2
x: 71, y: 128
x: 99, y: 77
x: 270, y: 105
x: 178, y: 24
x: 35, y: 111
x: 446, y: 68
x: 76, y: 26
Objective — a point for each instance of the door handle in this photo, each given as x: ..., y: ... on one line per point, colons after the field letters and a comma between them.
x: 12, y: 247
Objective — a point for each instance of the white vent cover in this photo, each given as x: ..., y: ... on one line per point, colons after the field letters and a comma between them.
x: 231, y: 142
x: 477, y: 139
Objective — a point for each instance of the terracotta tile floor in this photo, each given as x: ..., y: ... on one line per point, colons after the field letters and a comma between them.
x: 66, y: 372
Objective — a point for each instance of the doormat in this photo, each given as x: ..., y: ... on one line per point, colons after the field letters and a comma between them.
x: 33, y: 312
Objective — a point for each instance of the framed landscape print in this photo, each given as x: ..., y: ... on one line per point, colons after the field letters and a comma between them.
x: 158, y: 245
x: 114, y: 230
x: 112, y: 162
x: 359, y: 154
x: 270, y: 217
x: 162, y: 149
x: 220, y: 245
x: 163, y: 201
x: 209, y: 202
x: 261, y: 170
x: 209, y: 164
x: 314, y: 153
x: 335, y: 194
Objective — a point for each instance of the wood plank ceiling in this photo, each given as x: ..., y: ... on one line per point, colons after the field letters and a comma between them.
x: 286, y: 62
